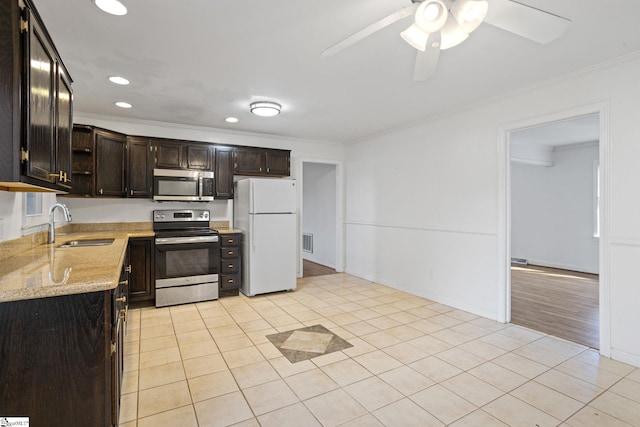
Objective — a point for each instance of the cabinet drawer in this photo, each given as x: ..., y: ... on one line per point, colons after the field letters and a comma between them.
x: 229, y: 240
x: 229, y: 266
x: 229, y: 281
x: 230, y: 252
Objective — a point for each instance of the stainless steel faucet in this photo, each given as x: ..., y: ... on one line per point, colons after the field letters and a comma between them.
x: 52, y: 220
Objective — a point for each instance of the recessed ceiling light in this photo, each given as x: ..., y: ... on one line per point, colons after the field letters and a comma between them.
x: 231, y: 120
x: 118, y: 80
x: 114, y: 7
x: 122, y: 104
x: 265, y: 108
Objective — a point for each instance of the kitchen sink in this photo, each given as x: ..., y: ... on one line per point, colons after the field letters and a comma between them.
x: 86, y: 242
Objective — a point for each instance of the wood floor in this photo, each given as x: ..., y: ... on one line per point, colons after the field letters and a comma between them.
x: 558, y: 302
x: 311, y: 269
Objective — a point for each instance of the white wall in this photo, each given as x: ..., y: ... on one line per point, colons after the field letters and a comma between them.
x: 319, y: 211
x: 424, y: 205
x: 552, y: 210
x: 12, y: 221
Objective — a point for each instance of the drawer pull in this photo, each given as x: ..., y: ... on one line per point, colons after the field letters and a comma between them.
x: 230, y: 280
x: 230, y: 253
x: 230, y: 266
x: 230, y: 241
x: 121, y: 299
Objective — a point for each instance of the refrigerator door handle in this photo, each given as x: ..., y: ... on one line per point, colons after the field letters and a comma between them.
x: 252, y: 231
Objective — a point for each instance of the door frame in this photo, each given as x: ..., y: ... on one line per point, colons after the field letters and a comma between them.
x: 340, y: 264
x: 504, y: 211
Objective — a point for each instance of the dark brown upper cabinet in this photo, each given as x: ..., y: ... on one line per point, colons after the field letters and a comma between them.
x: 198, y: 156
x: 175, y: 154
x: 223, y: 172
x: 168, y: 154
x: 110, y: 164
x: 35, y: 103
x: 139, y: 167
x: 82, y: 160
x: 261, y: 161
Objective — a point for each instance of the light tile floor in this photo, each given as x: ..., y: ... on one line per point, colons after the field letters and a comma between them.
x: 413, y: 363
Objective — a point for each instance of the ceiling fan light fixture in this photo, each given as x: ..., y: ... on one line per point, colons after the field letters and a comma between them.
x: 431, y: 16
x: 415, y: 37
x: 265, y: 108
x: 113, y: 7
x: 469, y: 14
x: 452, y: 35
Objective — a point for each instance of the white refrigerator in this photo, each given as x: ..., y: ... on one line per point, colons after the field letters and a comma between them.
x: 265, y: 211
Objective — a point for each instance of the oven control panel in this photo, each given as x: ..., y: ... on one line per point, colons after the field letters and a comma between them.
x: 182, y: 215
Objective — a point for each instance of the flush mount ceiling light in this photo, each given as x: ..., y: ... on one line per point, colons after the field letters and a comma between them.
x: 113, y: 7
x: 265, y: 108
x: 231, y: 120
x: 118, y: 80
x: 123, y: 104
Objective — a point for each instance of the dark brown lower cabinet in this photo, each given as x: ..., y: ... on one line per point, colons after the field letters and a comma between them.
x: 230, y: 264
x: 141, y: 279
x: 61, y: 359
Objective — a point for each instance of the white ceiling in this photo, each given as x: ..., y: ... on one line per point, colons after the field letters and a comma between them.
x: 196, y: 62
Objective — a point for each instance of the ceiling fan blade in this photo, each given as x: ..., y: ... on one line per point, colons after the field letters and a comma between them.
x: 526, y: 21
x: 427, y: 61
x: 367, y: 31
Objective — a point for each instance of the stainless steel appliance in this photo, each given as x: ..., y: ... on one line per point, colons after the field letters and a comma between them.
x: 187, y: 257
x: 182, y: 185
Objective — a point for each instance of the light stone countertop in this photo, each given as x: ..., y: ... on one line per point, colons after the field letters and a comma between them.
x: 46, y: 270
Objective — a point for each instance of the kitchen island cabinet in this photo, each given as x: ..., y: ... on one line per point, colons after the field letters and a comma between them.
x: 62, y: 359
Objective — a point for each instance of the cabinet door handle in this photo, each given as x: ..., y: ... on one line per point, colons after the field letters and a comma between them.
x: 124, y: 282
x: 128, y: 269
x: 121, y: 299
x: 100, y: 191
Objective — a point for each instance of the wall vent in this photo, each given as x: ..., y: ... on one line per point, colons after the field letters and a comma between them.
x: 519, y: 261
x: 307, y: 242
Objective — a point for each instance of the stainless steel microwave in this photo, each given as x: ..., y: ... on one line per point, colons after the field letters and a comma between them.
x: 182, y: 185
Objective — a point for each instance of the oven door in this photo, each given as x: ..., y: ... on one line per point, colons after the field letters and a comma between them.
x: 186, y: 269
x: 183, y: 259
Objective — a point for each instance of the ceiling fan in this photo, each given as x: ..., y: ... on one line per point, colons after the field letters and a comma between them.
x: 442, y: 24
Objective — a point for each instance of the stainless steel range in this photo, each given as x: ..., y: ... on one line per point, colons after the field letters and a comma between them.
x: 187, y: 257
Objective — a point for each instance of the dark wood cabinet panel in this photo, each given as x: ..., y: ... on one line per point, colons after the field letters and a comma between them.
x: 35, y: 102
x: 41, y: 90
x: 141, y: 278
x: 277, y: 162
x: 64, y: 126
x: 223, y: 172
x: 248, y: 161
x: 230, y: 263
x: 197, y: 156
x: 139, y: 167
x: 168, y: 154
x: 261, y: 161
x: 110, y: 164
x: 57, y: 359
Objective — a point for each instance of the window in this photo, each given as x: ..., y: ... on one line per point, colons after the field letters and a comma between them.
x: 34, y: 217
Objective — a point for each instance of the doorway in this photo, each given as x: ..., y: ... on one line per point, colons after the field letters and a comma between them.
x: 556, y: 270
x: 321, y: 222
